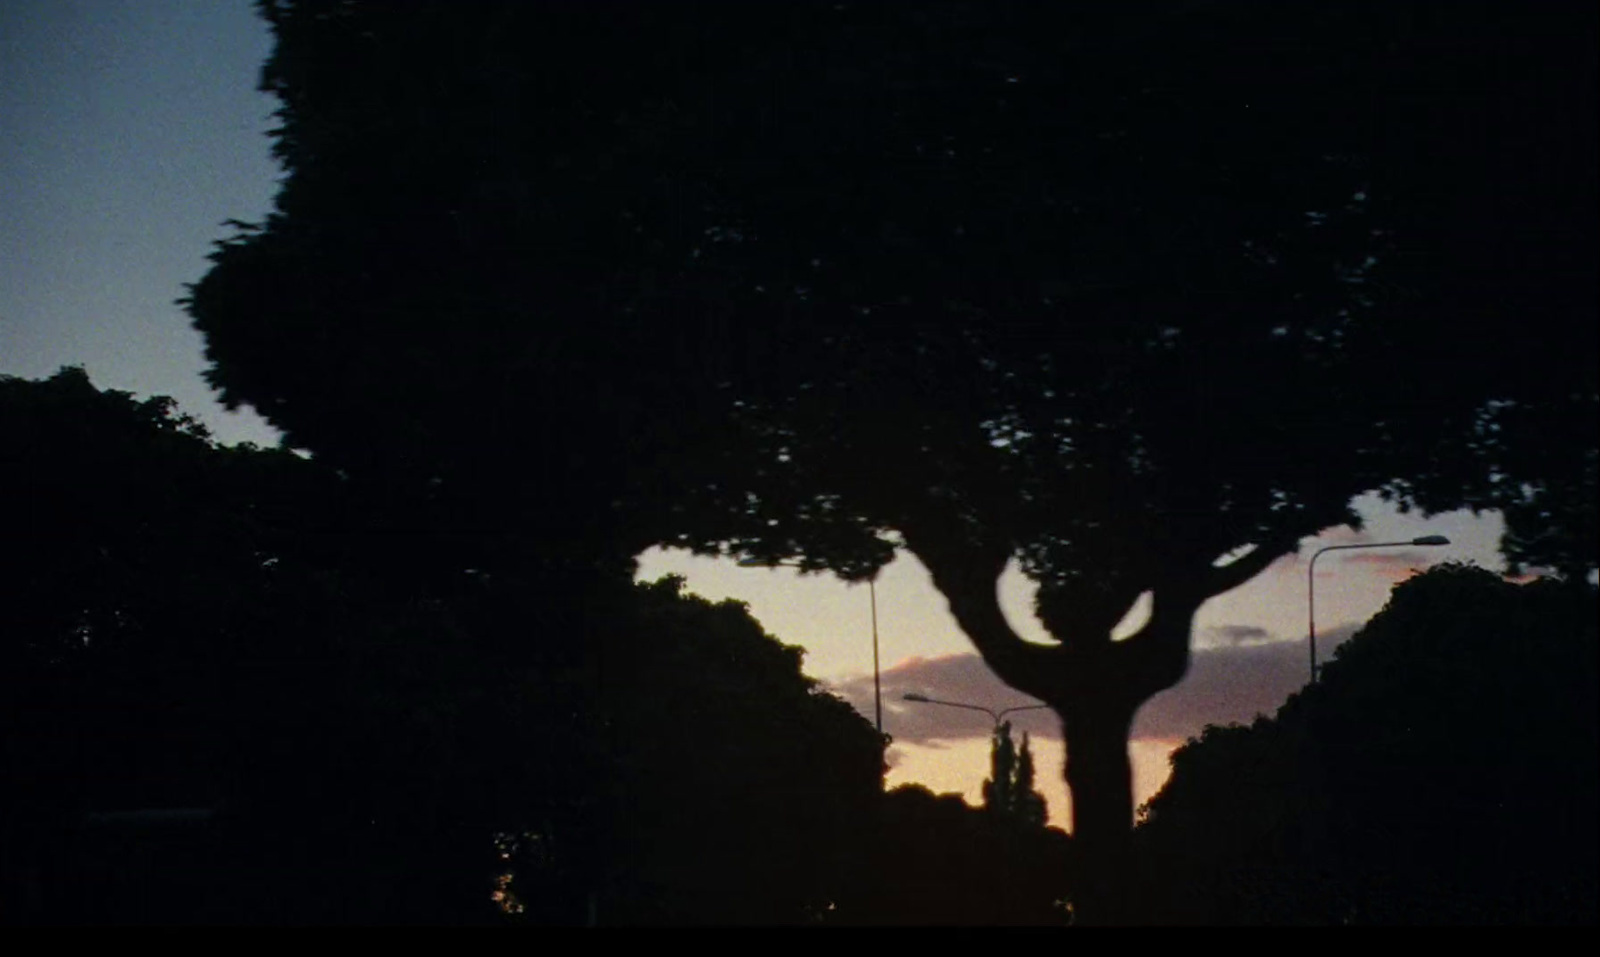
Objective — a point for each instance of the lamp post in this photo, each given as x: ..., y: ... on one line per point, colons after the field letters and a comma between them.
x: 872, y: 593
x: 993, y: 714
x: 1311, y: 583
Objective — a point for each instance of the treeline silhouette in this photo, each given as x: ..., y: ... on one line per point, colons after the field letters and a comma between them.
x: 1442, y: 771
x: 222, y: 706
x: 201, y: 632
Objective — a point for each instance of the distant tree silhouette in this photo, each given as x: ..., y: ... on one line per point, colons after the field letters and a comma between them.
x: 1002, y: 771
x: 188, y: 627
x: 735, y: 790
x: 1030, y: 803
x: 131, y: 541
x: 1441, y: 772
x: 1115, y: 293
x: 192, y: 627
x: 1008, y: 791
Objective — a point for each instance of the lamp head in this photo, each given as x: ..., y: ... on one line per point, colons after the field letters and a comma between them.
x: 913, y: 696
x: 1431, y: 540
x: 756, y: 563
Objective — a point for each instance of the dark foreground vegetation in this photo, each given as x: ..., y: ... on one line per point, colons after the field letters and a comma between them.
x: 1137, y: 296
x: 216, y: 711
x: 228, y: 699
x: 1442, y: 772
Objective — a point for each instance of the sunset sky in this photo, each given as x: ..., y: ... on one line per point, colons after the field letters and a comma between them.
x: 1250, y: 645
x: 130, y: 129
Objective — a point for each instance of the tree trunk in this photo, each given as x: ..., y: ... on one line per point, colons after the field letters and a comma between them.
x: 1100, y: 777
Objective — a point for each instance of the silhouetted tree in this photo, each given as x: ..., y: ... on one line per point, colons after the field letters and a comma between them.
x: 1119, y: 293
x: 735, y: 791
x: 1008, y: 791
x: 1030, y: 804
x: 1441, y: 772
x: 191, y: 626
x: 130, y: 542
x: 1002, y: 770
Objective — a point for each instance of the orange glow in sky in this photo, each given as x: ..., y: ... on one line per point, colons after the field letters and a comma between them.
x: 832, y: 620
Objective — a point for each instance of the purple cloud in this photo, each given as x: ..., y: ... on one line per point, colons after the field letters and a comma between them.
x: 1226, y: 683
x: 962, y: 678
x: 1237, y: 635
x: 1233, y: 683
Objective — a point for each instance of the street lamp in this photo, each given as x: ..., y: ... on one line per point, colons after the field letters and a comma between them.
x: 872, y: 593
x: 996, y: 715
x: 1311, y: 583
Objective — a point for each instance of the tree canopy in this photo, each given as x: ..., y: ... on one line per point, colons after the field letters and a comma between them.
x: 1168, y: 296
x: 1116, y: 293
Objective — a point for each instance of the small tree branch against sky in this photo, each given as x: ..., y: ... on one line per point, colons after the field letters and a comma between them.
x: 1137, y: 299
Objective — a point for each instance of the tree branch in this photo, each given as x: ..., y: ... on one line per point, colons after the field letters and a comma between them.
x: 1157, y: 657
x: 1241, y: 570
x: 1085, y: 615
x: 968, y: 575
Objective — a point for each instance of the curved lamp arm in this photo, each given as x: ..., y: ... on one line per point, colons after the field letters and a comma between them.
x: 994, y: 716
x: 1311, y: 582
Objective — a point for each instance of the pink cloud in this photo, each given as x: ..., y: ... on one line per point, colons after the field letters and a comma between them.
x: 1396, y: 567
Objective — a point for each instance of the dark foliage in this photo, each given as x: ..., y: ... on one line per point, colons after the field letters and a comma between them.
x: 1442, y: 772
x: 214, y: 630
x: 191, y: 628
x: 734, y: 791
x: 1114, y: 292
x: 934, y: 860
